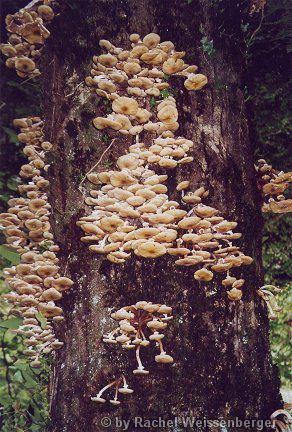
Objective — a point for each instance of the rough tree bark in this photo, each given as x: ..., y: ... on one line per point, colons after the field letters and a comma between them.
x: 222, y: 363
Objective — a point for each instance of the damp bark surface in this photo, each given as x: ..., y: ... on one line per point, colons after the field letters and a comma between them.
x: 222, y: 366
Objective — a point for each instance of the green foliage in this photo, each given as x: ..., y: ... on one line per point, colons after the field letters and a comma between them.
x: 23, y: 390
x: 165, y: 93
x: 269, y: 97
x: 278, y: 271
x: 152, y: 101
x: 208, y: 47
x: 105, y: 138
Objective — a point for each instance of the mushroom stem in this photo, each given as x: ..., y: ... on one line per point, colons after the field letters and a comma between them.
x: 116, y: 390
x: 272, y: 314
x: 272, y: 287
x: 161, y: 347
x: 124, y: 381
x: 105, y: 388
x: 140, y: 365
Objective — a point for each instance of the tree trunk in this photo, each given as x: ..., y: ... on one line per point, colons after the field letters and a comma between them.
x: 222, y: 365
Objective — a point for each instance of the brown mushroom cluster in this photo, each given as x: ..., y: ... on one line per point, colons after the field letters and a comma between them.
x: 131, y: 210
x: 36, y: 282
x: 139, y: 324
x: 273, y: 184
x: 27, y: 30
x: 119, y: 385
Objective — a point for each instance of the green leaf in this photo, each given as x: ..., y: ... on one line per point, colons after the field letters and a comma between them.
x: 9, y: 255
x: 41, y: 319
x: 11, y: 323
x: 152, y: 101
x: 11, y: 135
x: 17, y: 377
x: 165, y: 93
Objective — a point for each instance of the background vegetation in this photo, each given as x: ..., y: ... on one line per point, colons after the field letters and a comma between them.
x: 23, y: 391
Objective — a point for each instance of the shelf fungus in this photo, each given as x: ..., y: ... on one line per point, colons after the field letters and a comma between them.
x: 131, y: 208
x: 120, y: 387
x: 266, y: 292
x: 36, y: 282
x: 27, y: 33
x: 140, y: 324
x: 273, y: 184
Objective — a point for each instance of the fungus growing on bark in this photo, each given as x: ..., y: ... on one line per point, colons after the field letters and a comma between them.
x: 28, y: 32
x: 195, y: 81
x: 135, y: 192
x: 36, y: 282
x: 140, y: 324
x: 273, y: 184
x: 119, y: 385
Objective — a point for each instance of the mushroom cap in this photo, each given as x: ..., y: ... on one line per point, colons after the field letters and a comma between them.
x: 145, y: 233
x: 203, y: 275
x: 51, y: 294
x: 281, y: 206
x: 195, y: 81
x: 151, y: 250
x: 24, y: 64
x: 128, y: 161
x: 107, y: 60
x: 163, y: 309
x: 189, y: 260
x: 179, y: 251
x: 161, y: 218
x: 110, y: 223
x: 140, y: 371
x: 134, y: 37
x: 121, y: 178
x: 274, y: 188
x: 156, y: 324
x: 221, y: 267
x: 125, y: 105
x: 151, y: 40
x: 172, y: 65
x: 132, y: 68
x: 125, y: 390
x: 103, y: 123
x: 189, y: 222
x: 166, y: 236
x: 163, y: 358
x: 234, y: 294
x: 183, y: 185
x: 205, y: 211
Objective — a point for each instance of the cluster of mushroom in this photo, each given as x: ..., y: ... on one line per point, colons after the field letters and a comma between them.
x: 139, y: 324
x: 35, y: 282
x: 266, y: 292
x: 119, y: 385
x: 27, y: 31
x: 129, y: 78
x: 273, y: 184
x: 131, y: 208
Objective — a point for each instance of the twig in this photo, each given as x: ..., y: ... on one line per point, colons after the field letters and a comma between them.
x: 72, y: 93
x: 99, y: 160
x: 66, y: 265
x: 31, y: 4
x: 257, y: 29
